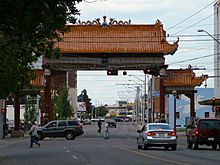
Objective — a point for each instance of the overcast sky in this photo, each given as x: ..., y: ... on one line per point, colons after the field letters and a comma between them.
x: 180, y: 18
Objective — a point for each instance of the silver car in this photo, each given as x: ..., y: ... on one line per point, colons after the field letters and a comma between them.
x: 157, y: 135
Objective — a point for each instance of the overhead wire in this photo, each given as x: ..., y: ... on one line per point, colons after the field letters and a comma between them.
x: 191, y: 15
x: 192, y: 59
x: 193, y: 24
x: 90, y: 1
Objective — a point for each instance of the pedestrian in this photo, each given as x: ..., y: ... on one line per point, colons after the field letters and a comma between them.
x: 99, y: 126
x: 33, y: 135
x: 163, y: 120
x: 106, y: 135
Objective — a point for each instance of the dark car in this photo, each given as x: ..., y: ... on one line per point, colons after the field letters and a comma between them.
x: 86, y: 122
x: 203, y: 131
x: 61, y: 128
x: 157, y: 135
x: 111, y: 122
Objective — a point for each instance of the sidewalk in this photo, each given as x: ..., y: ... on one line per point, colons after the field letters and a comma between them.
x: 9, y: 140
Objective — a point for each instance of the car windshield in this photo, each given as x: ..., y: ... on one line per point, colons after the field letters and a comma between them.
x: 213, y: 124
x: 159, y: 127
x: 73, y: 123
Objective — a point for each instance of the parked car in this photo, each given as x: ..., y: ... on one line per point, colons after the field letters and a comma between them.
x: 97, y: 119
x: 118, y: 119
x: 111, y: 122
x: 61, y: 128
x: 86, y: 122
x: 157, y: 135
x: 10, y: 125
x: 203, y: 131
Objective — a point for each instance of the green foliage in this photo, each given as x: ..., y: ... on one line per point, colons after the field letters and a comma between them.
x: 101, y: 111
x: 29, y: 29
x: 61, y: 105
x: 30, y: 111
x: 83, y: 97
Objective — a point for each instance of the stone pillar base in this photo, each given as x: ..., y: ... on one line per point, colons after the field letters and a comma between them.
x: 17, y: 134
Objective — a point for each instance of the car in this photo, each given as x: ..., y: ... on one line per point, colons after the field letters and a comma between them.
x: 111, y: 122
x: 10, y: 125
x: 203, y: 131
x: 118, y: 119
x: 157, y: 135
x: 61, y: 128
x: 86, y: 122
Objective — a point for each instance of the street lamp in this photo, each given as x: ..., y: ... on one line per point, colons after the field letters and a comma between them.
x: 145, y: 95
x: 174, y: 92
x: 143, y: 102
x: 201, y: 30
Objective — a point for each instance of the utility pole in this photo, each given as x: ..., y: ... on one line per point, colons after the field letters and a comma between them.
x: 2, y: 118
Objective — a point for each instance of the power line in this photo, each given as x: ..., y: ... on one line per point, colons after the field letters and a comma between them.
x: 90, y: 1
x: 192, y: 59
x: 191, y: 16
x: 194, y: 24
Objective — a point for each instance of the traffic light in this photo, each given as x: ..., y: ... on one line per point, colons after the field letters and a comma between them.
x: 112, y: 72
x: 3, y: 110
x: 217, y: 109
x: 213, y: 101
x: 2, y: 105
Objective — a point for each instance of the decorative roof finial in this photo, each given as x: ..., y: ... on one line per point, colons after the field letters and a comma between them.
x: 112, y: 21
x: 104, y: 23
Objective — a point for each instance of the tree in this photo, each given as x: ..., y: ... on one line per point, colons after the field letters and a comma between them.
x: 62, y: 106
x: 29, y: 29
x: 83, y: 97
x: 101, y: 111
x: 30, y: 111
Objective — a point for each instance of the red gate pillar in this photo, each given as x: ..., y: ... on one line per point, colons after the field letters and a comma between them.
x: 42, y: 107
x: 192, y: 105
x: 162, y: 97
x: 48, y: 94
x: 17, y: 112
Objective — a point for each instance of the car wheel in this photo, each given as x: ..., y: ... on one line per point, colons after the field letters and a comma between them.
x: 145, y: 146
x: 166, y: 147
x: 214, y: 146
x: 189, y: 144
x: 40, y: 136
x: 139, y: 147
x: 173, y: 147
x: 69, y: 135
x: 196, y: 146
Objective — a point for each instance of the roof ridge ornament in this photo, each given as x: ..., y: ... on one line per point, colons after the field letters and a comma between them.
x: 112, y: 21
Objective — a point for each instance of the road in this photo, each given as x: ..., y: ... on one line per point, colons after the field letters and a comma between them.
x: 92, y: 149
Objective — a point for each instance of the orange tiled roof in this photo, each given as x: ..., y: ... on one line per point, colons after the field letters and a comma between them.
x: 39, y: 78
x: 183, y: 78
x: 128, y: 38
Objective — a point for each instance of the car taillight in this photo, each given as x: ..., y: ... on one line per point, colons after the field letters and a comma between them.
x: 196, y: 132
x: 150, y: 134
x: 79, y: 126
x: 172, y: 134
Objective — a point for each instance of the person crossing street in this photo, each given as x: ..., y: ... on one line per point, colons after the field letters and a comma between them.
x: 33, y: 135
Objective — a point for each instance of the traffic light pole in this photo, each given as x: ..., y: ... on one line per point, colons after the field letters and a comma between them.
x: 2, y: 118
x: 1, y: 126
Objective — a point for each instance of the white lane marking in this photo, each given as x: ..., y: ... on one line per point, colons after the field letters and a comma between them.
x: 64, y: 147
x: 151, y: 156
x: 68, y: 151
x: 74, y: 157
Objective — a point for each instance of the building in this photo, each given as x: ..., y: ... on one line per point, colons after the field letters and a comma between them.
x: 183, y: 106
x: 216, y: 50
x: 119, y: 107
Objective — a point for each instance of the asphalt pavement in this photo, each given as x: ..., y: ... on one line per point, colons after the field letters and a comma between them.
x: 10, y: 141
